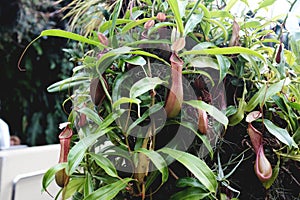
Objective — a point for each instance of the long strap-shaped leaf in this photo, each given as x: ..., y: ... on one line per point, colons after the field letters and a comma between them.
x: 108, y: 58
x: 77, y: 152
x: 280, y: 133
x: 265, y: 92
x: 108, y: 192
x: 213, y: 111
x: 70, y: 35
x: 50, y: 175
x: 62, y: 34
x: 175, y: 9
x: 67, y: 83
x: 196, y: 166
x: 158, y: 161
x: 105, y: 164
x: 224, y: 51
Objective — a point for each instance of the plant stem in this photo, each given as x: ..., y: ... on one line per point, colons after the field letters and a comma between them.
x: 193, y: 9
x: 153, y: 8
x: 126, y: 127
x: 143, y: 191
x: 173, y: 174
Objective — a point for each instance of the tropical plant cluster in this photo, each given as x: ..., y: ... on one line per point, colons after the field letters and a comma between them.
x: 179, y: 100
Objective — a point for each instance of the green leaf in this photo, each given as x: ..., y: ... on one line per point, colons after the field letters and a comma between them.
x: 182, y: 7
x: 136, y: 14
x: 280, y: 133
x: 224, y: 65
x: 75, y: 184
x: 204, y: 138
x: 137, y: 60
x: 196, y: 166
x: 107, y: 59
x: 158, y: 161
x: 213, y: 111
x: 230, y: 4
x: 153, y: 109
x: 67, y: 83
x: 294, y: 43
x: 144, y: 85
x: 221, y: 26
x: 251, y: 24
x: 106, y: 25
x: 265, y: 92
x: 289, y: 57
x: 230, y: 110
x: 188, y: 182
x: 108, y: 192
x: 160, y: 25
x: 135, y: 23
x: 190, y: 194
x: 92, y: 115
x: 239, y: 115
x: 69, y: 35
x: 204, y: 45
x: 146, y: 41
x: 253, y: 63
x: 294, y: 105
x: 88, y: 184
x: 114, y: 16
x: 144, y: 53
x: 265, y: 3
x: 257, y: 98
x: 117, y: 151
x: 125, y: 100
x: 118, y: 83
x: 221, y: 14
x: 224, y: 51
x: 175, y: 9
x: 204, y: 73
x: 204, y: 61
x: 193, y: 21
x: 49, y: 176
x: 204, y: 9
x: 105, y: 164
x: 110, y: 119
x: 78, y: 151
x: 284, y: 105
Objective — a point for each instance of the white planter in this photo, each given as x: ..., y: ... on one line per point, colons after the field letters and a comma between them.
x: 22, y: 169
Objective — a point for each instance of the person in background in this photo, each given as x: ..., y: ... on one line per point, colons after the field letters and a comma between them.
x: 14, y: 140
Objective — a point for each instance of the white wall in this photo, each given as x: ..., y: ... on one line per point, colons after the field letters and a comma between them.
x: 280, y: 7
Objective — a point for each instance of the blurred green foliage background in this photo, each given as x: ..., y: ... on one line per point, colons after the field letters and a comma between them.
x: 26, y: 106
